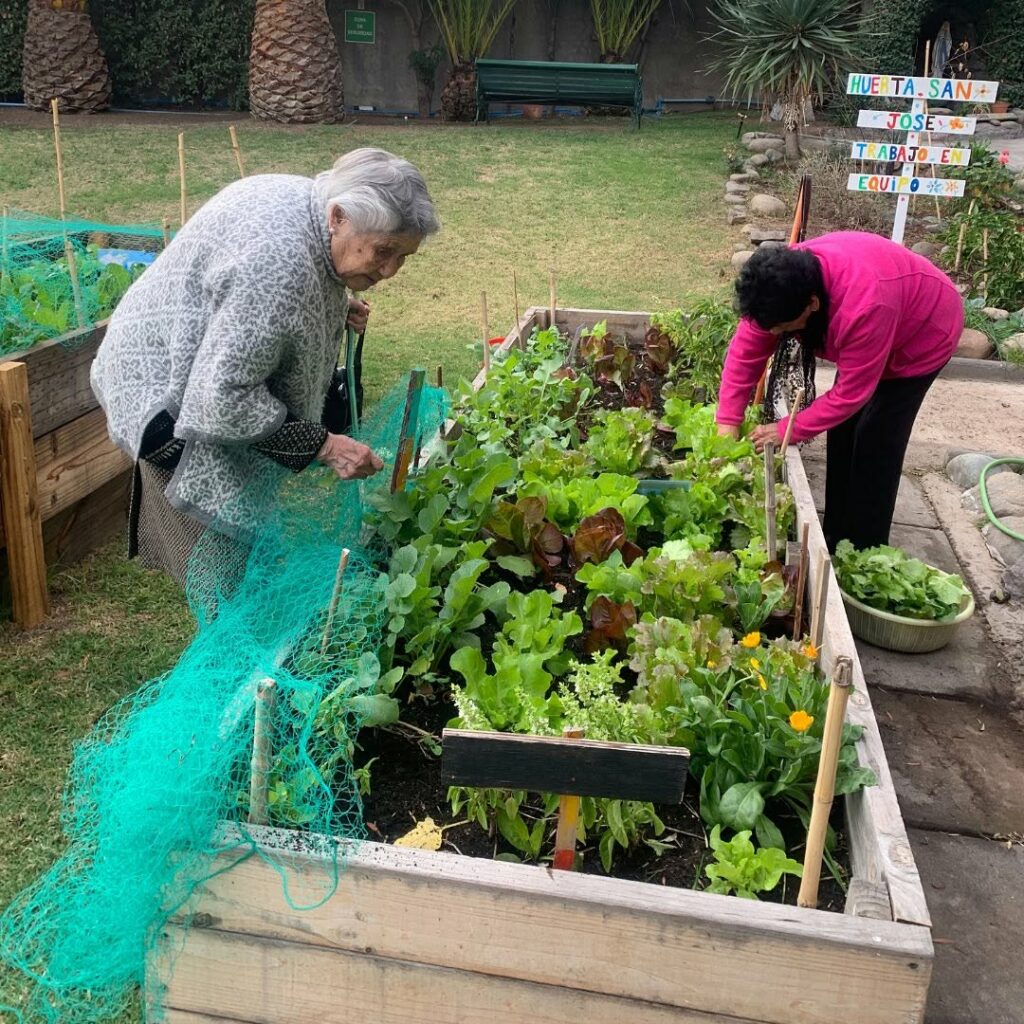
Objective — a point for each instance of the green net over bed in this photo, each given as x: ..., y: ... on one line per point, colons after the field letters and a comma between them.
x: 40, y: 297
x: 152, y: 786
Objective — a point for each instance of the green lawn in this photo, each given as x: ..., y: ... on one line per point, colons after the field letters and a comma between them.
x: 629, y: 220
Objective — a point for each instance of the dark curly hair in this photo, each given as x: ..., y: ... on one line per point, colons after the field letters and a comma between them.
x: 776, y: 284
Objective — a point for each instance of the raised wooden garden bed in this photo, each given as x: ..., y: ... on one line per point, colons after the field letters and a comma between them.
x: 411, y: 936
x: 69, y: 488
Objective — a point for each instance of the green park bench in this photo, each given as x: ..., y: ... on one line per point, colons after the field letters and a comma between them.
x: 549, y: 82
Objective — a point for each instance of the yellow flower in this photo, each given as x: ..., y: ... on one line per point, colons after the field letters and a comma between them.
x: 800, y: 721
x: 754, y: 663
x: 751, y: 640
x: 810, y: 651
x: 761, y: 682
x: 711, y: 664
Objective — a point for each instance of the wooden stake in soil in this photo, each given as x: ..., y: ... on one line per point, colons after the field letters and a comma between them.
x: 552, y: 296
x: 335, y: 597
x: 984, y: 262
x: 237, y: 150
x: 820, y: 600
x: 798, y: 403
x: 825, y: 786
x: 769, y: 501
x: 515, y: 303
x: 60, y: 159
x: 801, y: 584
x: 166, y: 226
x: 485, y: 332
x: 262, y: 749
x: 568, y: 821
x: 5, y: 245
x: 181, y: 178
x: 961, y: 236
x: 407, y: 436
x: 76, y: 288
x: 20, y: 506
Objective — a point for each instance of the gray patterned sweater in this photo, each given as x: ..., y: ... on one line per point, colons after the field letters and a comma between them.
x: 235, y: 327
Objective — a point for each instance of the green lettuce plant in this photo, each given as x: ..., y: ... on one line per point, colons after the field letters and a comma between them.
x: 740, y: 868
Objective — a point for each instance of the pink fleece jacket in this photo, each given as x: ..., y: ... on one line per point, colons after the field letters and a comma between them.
x: 891, y: 313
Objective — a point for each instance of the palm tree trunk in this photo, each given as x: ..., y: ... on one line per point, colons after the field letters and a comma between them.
x: 62, y: 58
x: 294, y: 67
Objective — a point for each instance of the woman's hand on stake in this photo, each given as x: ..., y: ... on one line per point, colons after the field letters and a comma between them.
x: 358, y: 315
x: 767, y: 432
x: 351, y: 460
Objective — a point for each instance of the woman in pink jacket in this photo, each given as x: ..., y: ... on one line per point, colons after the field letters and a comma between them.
x: 888, y: 319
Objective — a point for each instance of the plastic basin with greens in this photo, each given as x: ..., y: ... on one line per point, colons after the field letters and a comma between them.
x: 899, y: 633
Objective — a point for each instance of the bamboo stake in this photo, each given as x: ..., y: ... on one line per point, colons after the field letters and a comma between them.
x: 960, y: 238
x: 262, y: 744
x: 407, y: 434
x: 485, y: 332
x: 568, y: 821
x: 166, y: 225
x: 5, y: 252
x: 984, y: 261
x: 797, y: 406
x: 181, y: 177
x: 801, y: 584
x: 76, y: 288
x: 60, y: 159
x: 515, y: 303
x: 825, y: 785
x: 552, y: 295
x: 335, y: 597
x: 820, y: 600
x: 237, y: 150
x: 769, y: 501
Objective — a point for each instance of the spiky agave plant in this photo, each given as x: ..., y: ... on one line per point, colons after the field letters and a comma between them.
x: 467, y: 28
x: 617, y: 24
x: 787, y: 50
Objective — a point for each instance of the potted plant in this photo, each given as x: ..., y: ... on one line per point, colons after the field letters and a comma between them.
x: 898, y: 602
x: 424, y: 64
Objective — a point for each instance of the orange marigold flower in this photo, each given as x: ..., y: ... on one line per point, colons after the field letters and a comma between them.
x: 751, y: 640
x: 761, y: 682
x: 810, y: 651
x: 800, y: 721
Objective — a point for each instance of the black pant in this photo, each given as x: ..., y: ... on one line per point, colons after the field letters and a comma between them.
x: 865, y: 462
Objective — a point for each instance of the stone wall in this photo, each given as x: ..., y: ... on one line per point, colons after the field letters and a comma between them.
x: 674, y: 56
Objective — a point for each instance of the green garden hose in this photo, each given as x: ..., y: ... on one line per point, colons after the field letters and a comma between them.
x: 983, y: 491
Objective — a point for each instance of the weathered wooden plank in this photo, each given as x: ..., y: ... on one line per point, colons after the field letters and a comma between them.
x: 58, y: 377
x: 879, y: 848
x: 631, y: 323
x: 267, y: 981
x: 551, y: 764
x: 20, y: 516
x: 648, y: 943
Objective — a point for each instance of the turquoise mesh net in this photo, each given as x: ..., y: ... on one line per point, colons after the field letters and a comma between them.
x: 153, y: 782
x: 59, y: 276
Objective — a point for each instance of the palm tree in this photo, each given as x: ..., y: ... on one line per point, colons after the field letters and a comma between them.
x: 294, y: 68
x: 618, y: 23
x: 468, y: 28
x: 787, y: 50
x: 62, y: 58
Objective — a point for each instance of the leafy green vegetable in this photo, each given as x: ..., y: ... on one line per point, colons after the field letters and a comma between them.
x: 742, y: 869
x: 699, y: 338
x: 620, y: 440
x: 889, y: 580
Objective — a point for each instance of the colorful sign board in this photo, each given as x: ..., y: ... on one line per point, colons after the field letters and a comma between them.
x: 917, y: 123
x: 893, y: 152
x: 937, y: 90
x: 901, y: 121
x: 360, y: 27
x: 899, y: 184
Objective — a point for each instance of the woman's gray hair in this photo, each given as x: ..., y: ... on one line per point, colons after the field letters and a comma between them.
x: 379, y: 192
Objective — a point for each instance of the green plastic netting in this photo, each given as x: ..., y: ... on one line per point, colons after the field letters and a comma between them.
x: 151, y: 785
x: 39, y: 296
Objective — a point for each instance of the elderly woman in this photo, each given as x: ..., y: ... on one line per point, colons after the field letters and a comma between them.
x: 217, y: 361
x: 888, y: 319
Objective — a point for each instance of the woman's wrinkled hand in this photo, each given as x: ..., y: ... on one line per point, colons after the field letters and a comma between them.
x: 358, y: 315
x: 761, y: 435
x: 729, y: 430
x: 351, y: 460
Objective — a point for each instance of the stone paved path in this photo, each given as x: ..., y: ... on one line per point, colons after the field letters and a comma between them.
x: 957, y: 761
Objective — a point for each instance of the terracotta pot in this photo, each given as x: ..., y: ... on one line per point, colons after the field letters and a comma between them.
x: 1000, y: 107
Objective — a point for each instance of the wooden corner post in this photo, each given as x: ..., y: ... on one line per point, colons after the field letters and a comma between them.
x: 21, y: 516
